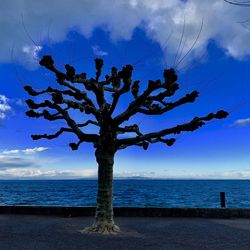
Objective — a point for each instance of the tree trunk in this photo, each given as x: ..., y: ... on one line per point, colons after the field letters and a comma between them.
x: 104, y: 222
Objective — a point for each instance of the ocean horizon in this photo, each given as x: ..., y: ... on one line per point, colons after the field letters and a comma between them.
x: 126, y: 178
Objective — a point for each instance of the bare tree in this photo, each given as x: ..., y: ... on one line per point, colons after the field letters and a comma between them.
x: 150, y: 101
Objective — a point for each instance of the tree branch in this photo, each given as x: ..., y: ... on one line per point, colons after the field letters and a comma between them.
x: 65, y: 115
x: 145, y: 144
x: 57, y: 97
x: 134, y: 128
x: 125, y: 74
x: 46, y: 114
x: 171, y: 105
x: 131, y: 108
x: 190, y: 126
x: 70, y: 75
x: 78, y: 92
x: 169, y: 84
x: 167, y: 93
x: 51, y: 136
x: 87, y: 123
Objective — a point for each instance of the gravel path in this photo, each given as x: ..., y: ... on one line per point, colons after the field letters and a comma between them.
x: 51, y: 232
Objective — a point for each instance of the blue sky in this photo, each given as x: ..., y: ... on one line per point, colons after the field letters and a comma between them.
x: 151, y: 35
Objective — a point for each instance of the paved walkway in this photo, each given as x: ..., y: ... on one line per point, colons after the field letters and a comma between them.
x: 45, y: 233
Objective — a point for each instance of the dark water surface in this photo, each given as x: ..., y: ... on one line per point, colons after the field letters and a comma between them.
x: 138, y: 193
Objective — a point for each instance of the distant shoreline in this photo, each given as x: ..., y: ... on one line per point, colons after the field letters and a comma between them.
x: 127, y: 179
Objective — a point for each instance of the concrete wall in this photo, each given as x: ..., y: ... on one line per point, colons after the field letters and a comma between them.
x: 130, y: 211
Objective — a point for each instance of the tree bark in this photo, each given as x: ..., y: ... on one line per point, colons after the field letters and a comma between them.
x: 104, y: 222
x: 104, y: 208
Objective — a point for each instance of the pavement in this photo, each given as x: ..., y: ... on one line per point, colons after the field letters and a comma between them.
x: 50, y: 232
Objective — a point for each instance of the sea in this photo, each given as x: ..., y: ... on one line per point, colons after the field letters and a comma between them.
x: 127, y: 193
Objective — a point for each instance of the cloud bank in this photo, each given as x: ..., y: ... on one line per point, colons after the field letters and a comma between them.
x: 22, y: 21
x: 18, y: 160
x: 35, y: 172
x: 14, y: 163
x: 38, y: 173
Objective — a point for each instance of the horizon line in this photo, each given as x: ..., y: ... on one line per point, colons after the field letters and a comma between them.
x: 126, y: 178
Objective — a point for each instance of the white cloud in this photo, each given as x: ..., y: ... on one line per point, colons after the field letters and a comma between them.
x: 14, y: 151
x: 4, y: 106
x: 98, y: 52
x: 22, y: 21
x: 3, y: 98
x: 25, y: 151
x: 31, y: 55
x: 242, y: 122
x: 34, y: 150
x: 38, y: 173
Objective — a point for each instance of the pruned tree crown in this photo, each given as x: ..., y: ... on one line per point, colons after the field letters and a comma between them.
x: 69, y: 96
